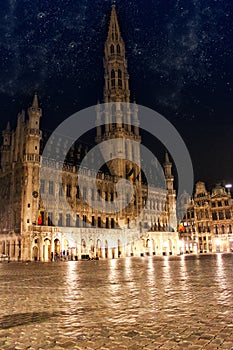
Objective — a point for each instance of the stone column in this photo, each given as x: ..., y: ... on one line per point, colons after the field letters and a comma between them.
x: 103, y: 252
x: 40, y: 248
x: 52, y: 248
x: 116, y: 252
x: 109, y: 252
x: 16, y: 249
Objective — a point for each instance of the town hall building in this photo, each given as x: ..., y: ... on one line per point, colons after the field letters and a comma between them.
x: 33, y: 231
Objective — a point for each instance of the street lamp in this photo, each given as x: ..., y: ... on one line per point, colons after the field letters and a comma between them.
x: 218, y: 244
x: 228, y: 186
x: 181, y: 246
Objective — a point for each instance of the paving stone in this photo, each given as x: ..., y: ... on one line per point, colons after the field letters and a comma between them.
x: 227, y: 345
x: 78, y: 307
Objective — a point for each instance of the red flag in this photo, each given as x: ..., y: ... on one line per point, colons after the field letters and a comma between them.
x: 131, y: 175
x: 181, y: 227
x: 39, y: 220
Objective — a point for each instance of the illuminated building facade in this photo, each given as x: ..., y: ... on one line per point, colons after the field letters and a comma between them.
x: 29, y: 231
x: 208, y: 223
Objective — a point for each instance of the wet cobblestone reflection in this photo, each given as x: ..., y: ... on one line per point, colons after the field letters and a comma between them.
x: 133, y: 303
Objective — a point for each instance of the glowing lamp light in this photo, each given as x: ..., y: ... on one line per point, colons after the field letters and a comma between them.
x: 181, y: 244
x: 218, y: 241
x: 228, y: 186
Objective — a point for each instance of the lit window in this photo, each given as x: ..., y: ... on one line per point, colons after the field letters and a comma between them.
x: 68, y: 220
x: 112, y: 49
x: 68, y: 190
x: 60, y: 219
x: 50, y: 218
x: 113, y: 83
x: 119, y: 78
x: 60, y: 190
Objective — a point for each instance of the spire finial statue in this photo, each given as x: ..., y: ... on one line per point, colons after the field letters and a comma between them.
x: 35, y: 103
x: 167, y: 160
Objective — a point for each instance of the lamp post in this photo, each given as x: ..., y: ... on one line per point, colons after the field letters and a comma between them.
x: 218, y: 245
x: 228, y: 187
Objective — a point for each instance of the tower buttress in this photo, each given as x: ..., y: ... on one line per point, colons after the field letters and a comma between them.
x: 30, y: 198
x: 171, y: 193
x: 33, y: 129
x: 118, y: 114
x: 5, y: 148
x: 168, y: 173
x: 115, y: 64
x: 34, y: 113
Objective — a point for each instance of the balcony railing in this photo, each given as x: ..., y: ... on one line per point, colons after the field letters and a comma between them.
x: 31, y: 157
x: 35, y: 132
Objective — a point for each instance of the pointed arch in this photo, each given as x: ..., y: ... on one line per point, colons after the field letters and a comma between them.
x: 112, y: 49
x: 113, y: 76
x: 119, y: 78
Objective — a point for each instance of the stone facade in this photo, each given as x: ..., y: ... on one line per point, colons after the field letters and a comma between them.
x: 208, y: 223
x: 30, y: 231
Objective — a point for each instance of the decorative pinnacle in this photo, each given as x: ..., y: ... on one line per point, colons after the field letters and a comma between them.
x: 114, y: 29
x: 167, y: 158
x: 35, y: 103
x: 8, y: 127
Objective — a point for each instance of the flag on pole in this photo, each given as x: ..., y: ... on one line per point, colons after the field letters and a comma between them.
x: 39, y: 220
x: 181, y: 227
x: 131, y: 175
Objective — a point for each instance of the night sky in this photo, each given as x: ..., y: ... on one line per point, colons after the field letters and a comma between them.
x: 179, y: 53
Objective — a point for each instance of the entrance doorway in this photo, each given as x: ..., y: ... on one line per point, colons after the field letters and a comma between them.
x: 35, y: 253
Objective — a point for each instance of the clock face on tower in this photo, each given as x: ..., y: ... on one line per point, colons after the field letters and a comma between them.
x: 35, y: 194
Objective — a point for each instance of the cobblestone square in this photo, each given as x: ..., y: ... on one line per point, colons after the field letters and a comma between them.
x: 182, y: 302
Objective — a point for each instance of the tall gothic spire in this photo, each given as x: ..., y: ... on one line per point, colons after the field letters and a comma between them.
x: 115, y: 64
x: 114, y: 29
x: 117, y: 114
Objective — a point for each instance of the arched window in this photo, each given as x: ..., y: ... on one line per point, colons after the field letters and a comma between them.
x: 113, y: 84
x: 84, y: 220
x: 230, y: 229
x: 223, y: 229
x: 118, y: 49
x: 112, y: 49
x: 119, y: 78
